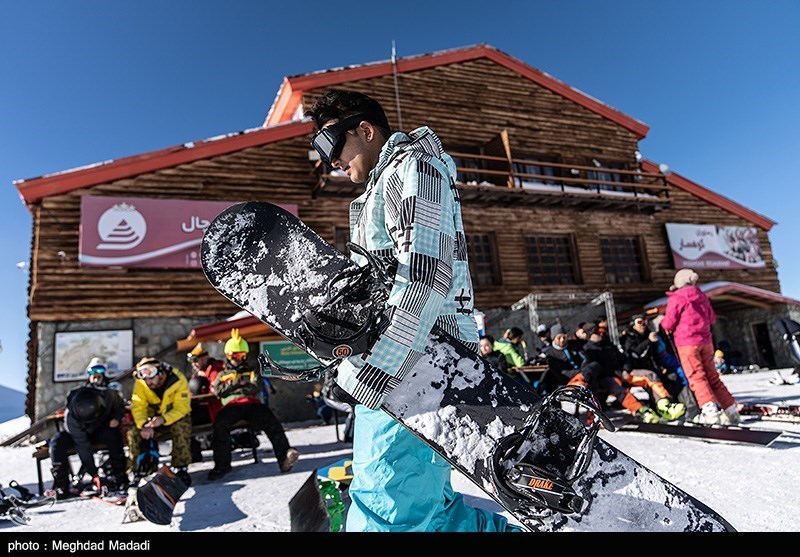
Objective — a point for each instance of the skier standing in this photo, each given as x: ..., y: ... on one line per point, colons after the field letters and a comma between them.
x: 689, y: 317
x: 409, y: 217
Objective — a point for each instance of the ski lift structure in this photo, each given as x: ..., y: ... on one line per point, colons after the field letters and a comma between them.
x: 588, y: 300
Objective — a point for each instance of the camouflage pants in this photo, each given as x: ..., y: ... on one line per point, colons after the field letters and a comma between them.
x: 181, y: 434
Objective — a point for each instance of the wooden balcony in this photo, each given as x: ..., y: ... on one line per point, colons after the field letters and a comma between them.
x: 498, y: 180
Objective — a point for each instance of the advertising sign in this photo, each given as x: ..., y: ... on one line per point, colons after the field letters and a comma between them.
x: 74, y: 351
x: 706, y: 246
x: 140, y: 232
x: 286, y: 354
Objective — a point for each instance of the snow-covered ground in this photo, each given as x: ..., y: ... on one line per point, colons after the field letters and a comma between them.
x: 753, y: 487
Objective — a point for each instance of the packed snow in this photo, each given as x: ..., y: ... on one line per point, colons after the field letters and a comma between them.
x: 753, y: 487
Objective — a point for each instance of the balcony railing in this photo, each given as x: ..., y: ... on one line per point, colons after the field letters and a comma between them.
x: 489, y: 178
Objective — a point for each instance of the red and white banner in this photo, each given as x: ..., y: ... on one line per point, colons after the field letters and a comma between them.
x: 706, y: 246
x: 141, y: 232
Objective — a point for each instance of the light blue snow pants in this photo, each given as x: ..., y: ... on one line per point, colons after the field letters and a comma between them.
x: 401, y: 485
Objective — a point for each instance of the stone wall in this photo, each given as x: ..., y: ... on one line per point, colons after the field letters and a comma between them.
x: 151, y: 337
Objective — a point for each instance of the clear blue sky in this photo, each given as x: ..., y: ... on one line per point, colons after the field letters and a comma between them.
x: 718, y: 82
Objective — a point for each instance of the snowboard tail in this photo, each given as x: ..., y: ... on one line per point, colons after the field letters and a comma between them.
x: 156, y: 499
x: 523, y: 453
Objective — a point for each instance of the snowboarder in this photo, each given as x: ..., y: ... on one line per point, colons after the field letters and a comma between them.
x: 93, y: 415
x: 409, y: 218
x: 239, y: 387
x: 205, y: 404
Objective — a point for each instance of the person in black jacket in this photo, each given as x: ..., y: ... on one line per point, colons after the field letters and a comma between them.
x: 564, y: 359
x: 494, y: 357
x: 600, y: 373
x: 93, y: 415
x: 641, y: 368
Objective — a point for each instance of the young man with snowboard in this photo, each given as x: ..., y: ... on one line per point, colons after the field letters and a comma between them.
x: 409, y: 218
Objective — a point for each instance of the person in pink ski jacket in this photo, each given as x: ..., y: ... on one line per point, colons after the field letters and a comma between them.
x: 688, y: 318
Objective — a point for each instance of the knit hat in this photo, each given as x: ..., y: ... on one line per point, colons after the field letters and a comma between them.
x: 556, y: 329
x: 684, y: 277
x: 541, y: 329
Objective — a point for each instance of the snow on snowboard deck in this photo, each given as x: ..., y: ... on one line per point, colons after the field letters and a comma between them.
x: 268, y: 262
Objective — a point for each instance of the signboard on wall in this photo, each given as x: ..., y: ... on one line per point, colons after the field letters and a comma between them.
x: 141, y: 232
x: 707, y: 246
x: 74, y: 351
x: 286, y: 354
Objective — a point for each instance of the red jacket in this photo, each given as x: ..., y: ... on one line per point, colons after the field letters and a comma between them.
x: 689, y: 316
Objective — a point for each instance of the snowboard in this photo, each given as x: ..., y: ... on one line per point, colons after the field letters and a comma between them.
x: 771, y: 412
x: 268, y: 262
x: 735, y: 434
x: 155, y: 500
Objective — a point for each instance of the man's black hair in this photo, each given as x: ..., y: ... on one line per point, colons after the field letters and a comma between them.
x: 490, y: 338
x: 515, y: 332
x: 337, y: 104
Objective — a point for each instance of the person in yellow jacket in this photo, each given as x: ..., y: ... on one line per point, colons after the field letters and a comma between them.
x: 160, y: 407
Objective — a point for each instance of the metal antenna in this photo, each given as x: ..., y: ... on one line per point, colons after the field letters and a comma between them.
x: 396, y: 90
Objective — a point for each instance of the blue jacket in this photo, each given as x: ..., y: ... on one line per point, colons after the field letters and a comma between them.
x: 410, y: 215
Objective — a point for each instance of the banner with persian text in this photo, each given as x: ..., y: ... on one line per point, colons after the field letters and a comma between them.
x: 142, y: 232
x: 707, y: 246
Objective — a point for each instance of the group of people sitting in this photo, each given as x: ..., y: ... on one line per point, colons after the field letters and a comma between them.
x: 163, y: 404
x: 681, y: 383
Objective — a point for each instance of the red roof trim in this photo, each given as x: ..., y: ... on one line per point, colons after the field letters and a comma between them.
x: 712, y: 197
x: 292, y: 88
x: 33, y: 190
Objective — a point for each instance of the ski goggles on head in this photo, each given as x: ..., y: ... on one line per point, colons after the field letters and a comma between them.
x: 147, y: 371
x: 329, y: 141
x: 96, y: 369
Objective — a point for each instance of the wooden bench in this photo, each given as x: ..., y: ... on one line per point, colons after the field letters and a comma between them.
x: 42, y: 450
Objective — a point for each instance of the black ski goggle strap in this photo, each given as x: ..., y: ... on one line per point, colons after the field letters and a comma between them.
x: 329, y: 141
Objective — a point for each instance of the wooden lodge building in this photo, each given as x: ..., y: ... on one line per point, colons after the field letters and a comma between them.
x: 556, y: 200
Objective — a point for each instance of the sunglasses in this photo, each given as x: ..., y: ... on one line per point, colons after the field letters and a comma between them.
x: 237, y: 355
x: 329, y: 141
x: 147, y: 371
x: 195, y: 357
x: 96, y: 369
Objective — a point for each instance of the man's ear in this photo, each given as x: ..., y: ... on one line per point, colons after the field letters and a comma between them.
x: 368, y: 130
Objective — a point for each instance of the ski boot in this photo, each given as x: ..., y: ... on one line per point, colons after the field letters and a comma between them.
x: 531, y: 472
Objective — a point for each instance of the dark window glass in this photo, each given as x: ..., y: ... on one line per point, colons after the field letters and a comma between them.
x: 622, y: 259
x: 483, y: 264
x: 551, y: 260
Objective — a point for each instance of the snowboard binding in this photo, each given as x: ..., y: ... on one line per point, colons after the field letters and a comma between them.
x: 536, y: 466
x: 346, y: 324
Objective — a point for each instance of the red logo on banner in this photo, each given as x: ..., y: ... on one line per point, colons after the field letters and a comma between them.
x: 140, y: 232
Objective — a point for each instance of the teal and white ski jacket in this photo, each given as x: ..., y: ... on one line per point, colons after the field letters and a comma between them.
x: 410, y: 214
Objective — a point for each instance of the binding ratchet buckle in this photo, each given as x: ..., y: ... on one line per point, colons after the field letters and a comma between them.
x: 536, y: 466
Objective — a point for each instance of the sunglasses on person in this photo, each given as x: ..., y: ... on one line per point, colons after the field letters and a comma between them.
x: 194, y: 357
x: 237, y: 356
x: 329, y: 141
x: 96, y: 369
x: 147, y: 371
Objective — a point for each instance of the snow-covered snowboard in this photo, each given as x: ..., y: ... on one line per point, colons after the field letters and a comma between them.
x: 499, y: 434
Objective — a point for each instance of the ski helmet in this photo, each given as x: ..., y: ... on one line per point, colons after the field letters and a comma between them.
x: 236, y: 343
x: 197, y: 352
x: 87, y: 405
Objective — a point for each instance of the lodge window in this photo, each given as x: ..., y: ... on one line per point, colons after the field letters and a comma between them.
x: 532, y: 167
x: 483, y: 261
x: 341, y: 236
x: 463, y: 166
x: 605, y: 173
x: 551, y: 260
x: 623, y: 259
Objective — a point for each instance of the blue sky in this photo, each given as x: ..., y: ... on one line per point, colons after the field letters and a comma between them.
x: 718, y: 82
